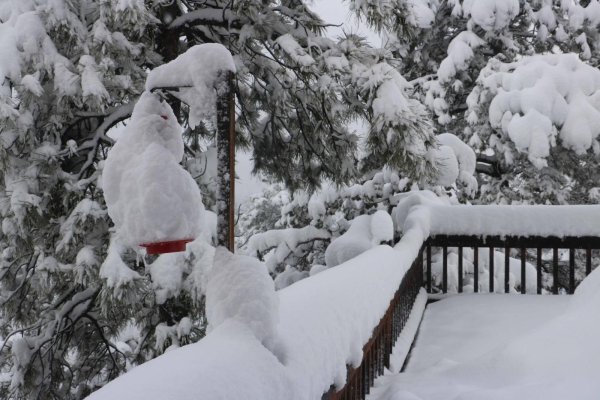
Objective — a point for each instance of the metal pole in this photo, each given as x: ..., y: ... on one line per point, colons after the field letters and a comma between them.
x: 226, y: 161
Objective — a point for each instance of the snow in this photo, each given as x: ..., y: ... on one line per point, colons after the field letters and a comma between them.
x: 290, y: 276
x: 291, y: 47
x: 207, y: 370
x: 323, y: 326
x: 240, y: 288
x: 149, y: 196
x: 116, y: 273
x: 91, y: 79
x: 466, y: 158
x: 491, y: 15
x: 196, y: 73
x: 540, y: 99
x: 460, y: 53
x: 508, y: 347
x: 407, y: 336
x: 365, y: 232
x: 517, y: 220
x: 288, y: 238
x: 462, y: 328
x: 297, y: 349
x: 447, y: 165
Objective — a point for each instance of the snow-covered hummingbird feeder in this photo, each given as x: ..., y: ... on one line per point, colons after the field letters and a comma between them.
x: 152, y: 200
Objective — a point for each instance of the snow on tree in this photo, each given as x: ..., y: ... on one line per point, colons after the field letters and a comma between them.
x: 543, y: 108
x: 311, y: 224
x: 444, y: 45
x: 66, y: 72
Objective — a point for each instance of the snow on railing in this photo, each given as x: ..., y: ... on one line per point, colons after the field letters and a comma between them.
x: 530, y: 249
x: 324, y: 323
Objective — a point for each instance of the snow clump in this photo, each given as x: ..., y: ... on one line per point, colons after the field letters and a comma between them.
x: 240, y: 288
x: 538, y: 100
x: 365, y: 232
x: 149, y: 196
x: 196, y: 74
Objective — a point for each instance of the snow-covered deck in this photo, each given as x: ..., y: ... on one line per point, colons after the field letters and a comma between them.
x: 462, y: 328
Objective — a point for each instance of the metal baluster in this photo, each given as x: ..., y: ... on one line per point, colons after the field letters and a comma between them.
x: 428, y: 268
x: 539, y: 270
x: 460, y: 269
x: 445, y: 269
x: 476, y: 269
x: 588, y: 261
x: 523, y: 275
x: 571, y: 270
x: 555, y: 270
x: 507, y: 269
x: 491, y: 269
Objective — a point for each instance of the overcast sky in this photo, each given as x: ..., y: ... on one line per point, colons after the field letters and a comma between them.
x: 332, y: 11
x: 336, y: 12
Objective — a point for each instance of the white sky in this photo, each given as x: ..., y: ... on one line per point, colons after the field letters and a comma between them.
x: 332, y: 11
x: 336, y: 12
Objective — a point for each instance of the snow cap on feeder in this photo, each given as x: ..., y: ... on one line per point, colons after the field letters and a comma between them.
x: 151, y: 199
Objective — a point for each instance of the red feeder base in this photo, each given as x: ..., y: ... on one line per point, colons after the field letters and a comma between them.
x: 172, y: 246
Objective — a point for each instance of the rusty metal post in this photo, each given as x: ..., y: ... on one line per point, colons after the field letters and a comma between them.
x: 226, y: 161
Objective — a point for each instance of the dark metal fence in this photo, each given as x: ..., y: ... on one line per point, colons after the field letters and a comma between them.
x: 528, y: 249
x: 377, y: 351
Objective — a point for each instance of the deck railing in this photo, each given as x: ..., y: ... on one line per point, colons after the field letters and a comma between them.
x: 377, y: 351
x: 528, y: 249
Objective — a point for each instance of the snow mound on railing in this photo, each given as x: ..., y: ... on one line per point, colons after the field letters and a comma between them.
x: 518, y: 220
x: 240, y: 288
x: 324, y: 321
x: 432, y: 215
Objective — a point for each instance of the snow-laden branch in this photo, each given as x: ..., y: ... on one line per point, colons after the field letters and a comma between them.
x: 110, y: 119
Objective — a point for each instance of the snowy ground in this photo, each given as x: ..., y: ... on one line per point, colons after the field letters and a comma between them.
x: 502, y: 347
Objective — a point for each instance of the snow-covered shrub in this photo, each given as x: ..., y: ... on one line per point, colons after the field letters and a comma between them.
x: 308, y: 223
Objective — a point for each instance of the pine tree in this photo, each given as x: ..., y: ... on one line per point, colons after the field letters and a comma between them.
x: 79, y: 308
x: 444, y: 45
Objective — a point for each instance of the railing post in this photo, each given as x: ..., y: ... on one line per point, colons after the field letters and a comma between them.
x: 571, y: 270
x: 588, y: 261
x: 476, y: 269
x: 429, y: 268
